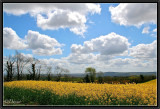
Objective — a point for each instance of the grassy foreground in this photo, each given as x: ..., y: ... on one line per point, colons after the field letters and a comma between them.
x: 61, y: 93
x: 37, y: 97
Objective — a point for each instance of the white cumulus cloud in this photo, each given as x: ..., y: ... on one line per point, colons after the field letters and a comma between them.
x: 144, y: 51
x: 81, y: 58
x: 135, y: 14
x: 105, y: 45
x: 47, y: 52
x: 11, y: 40
x: 42, y: 44
x: 53, y: 16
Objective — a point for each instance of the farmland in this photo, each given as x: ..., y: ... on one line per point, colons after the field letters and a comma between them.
x: 68, y: 93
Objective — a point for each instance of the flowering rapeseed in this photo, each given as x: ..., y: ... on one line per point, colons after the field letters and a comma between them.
x: 145, y: 93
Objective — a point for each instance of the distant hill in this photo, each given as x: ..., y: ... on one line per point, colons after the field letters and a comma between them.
x: 109, y: 74
x: 118, y: 74
x: 128, y: 73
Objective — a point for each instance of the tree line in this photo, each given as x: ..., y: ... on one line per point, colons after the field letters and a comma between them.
x: 19, y: 65
x: 100, y: 78
x: 91, y: 75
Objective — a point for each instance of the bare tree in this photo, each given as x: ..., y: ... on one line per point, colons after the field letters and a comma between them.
x: 21, y: 61
x: 66, y: 71
x: 100, y: 77
x: 9, y: 68
x: 49, y: 71
x: 33, y: 72
x: 39, y: 72
x: 58, y: 71
x: 66, y: 77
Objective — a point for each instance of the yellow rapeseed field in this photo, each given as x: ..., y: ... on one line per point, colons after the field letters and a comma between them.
x: 145, y: 93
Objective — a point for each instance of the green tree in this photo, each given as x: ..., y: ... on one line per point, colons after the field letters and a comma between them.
x: 87, y: 79
x: 142, y: 78
x: 92, y: 73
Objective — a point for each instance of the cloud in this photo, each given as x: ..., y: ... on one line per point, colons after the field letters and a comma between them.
x: 11, y: 40
x: 63, y: 19
x: 134, y: 14
x: 79, y: 30
x: 81, y: 58
x: 53, y: 16
x: 80, y: 63
x: 142, y: 58
x: 104, y: 58
x: 95, y: 53
x: 36, y: 40
x: 56, y: 62
x: 153, y: 35
x: 145, y: 30
x: 38, y: 8
x: 144, y: 51
x: 105, y: 45
x: 47, y: 52
x: 42, y: 44
x: 91, y: 22
x: 155, y: 30
x: 133, y: 64
x: 27, y: 55
x: 120, y: 62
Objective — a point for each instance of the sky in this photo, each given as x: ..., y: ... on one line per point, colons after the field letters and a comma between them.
x: 119, y: 37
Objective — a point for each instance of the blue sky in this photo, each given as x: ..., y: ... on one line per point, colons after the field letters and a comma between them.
x: 125, y: 21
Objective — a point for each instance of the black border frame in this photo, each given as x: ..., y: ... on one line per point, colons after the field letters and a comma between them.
x: 78, y: 1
